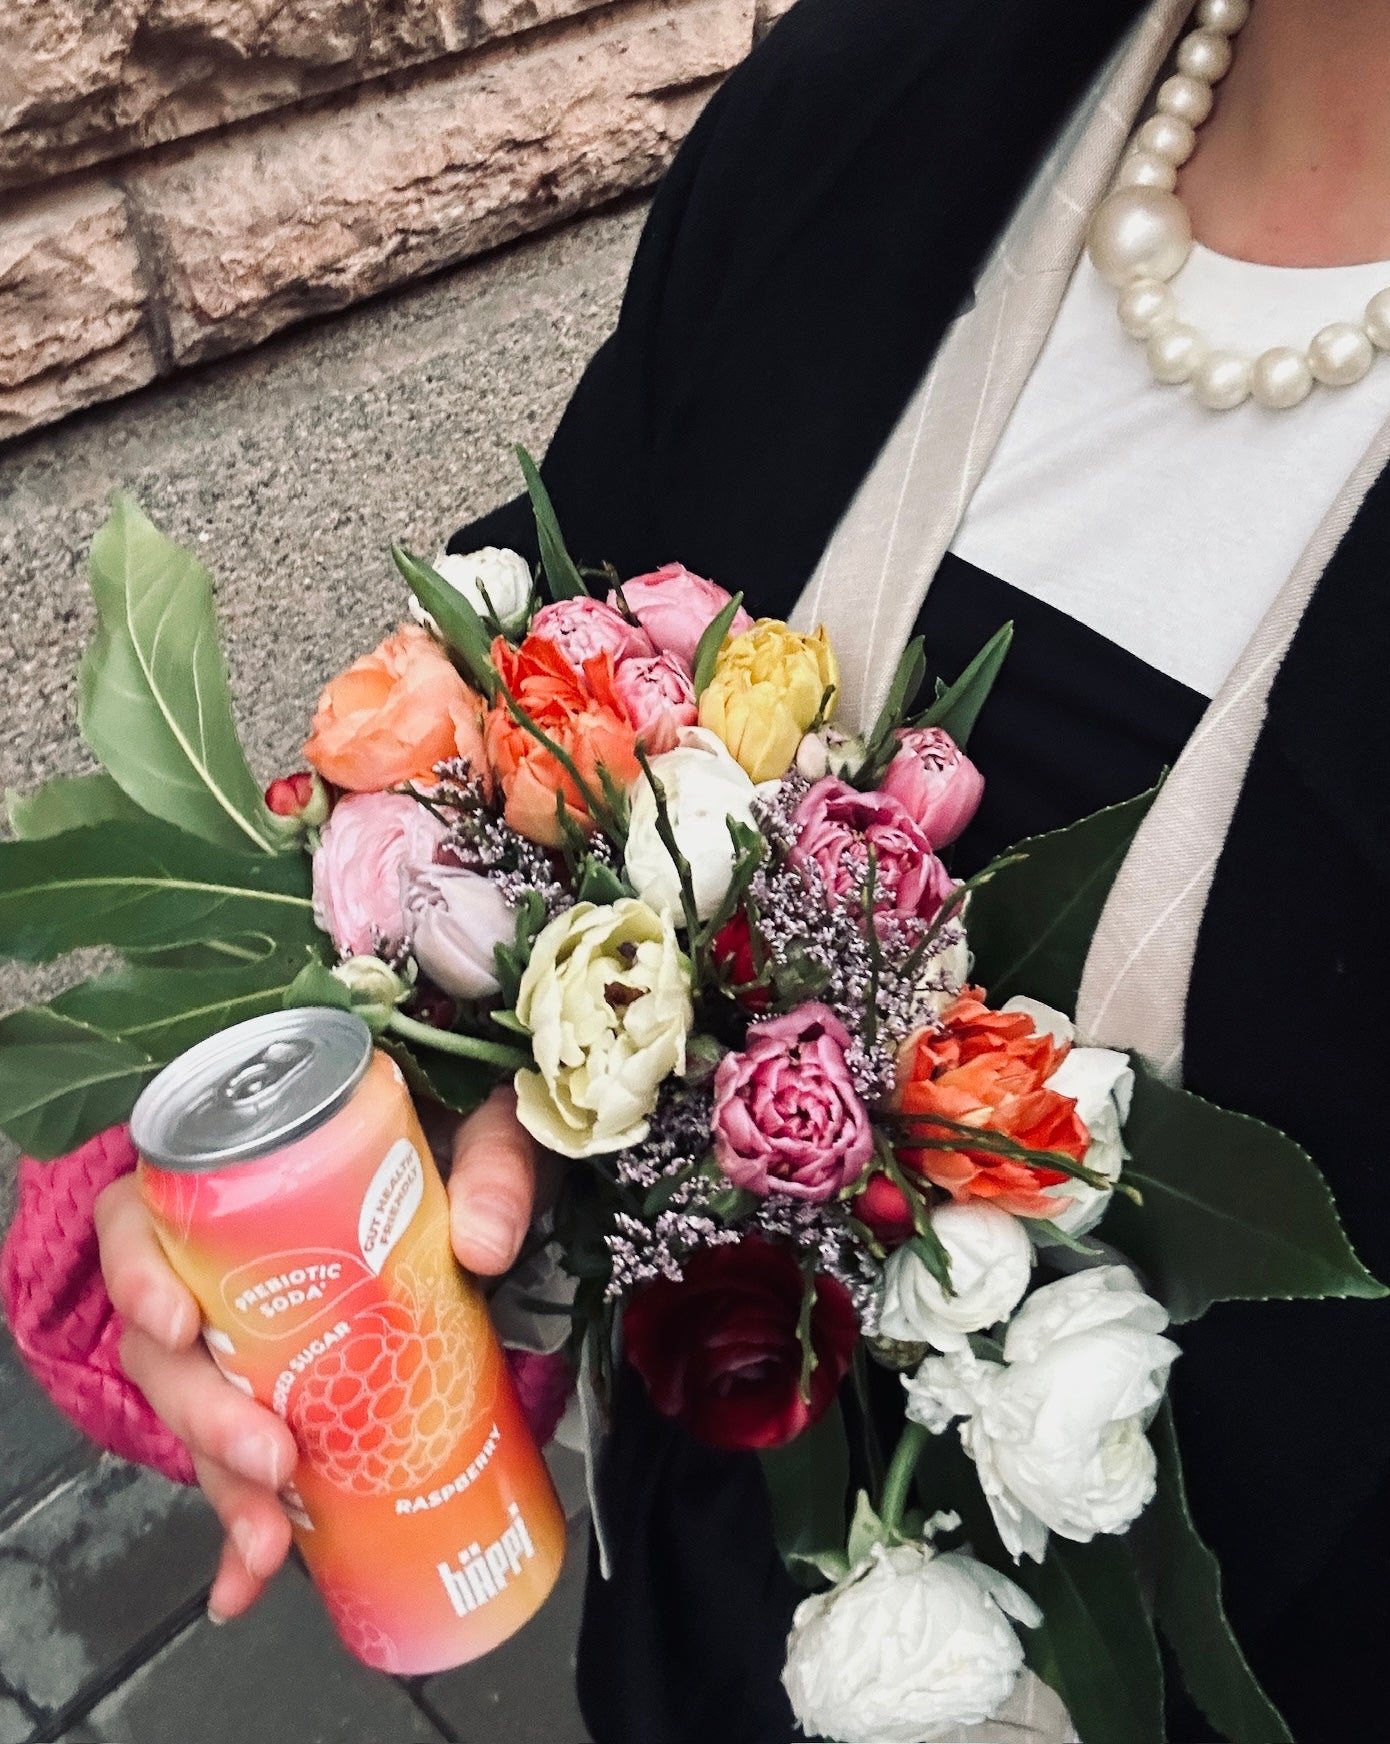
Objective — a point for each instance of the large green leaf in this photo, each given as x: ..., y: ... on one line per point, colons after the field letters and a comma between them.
x: 1097, y: 1646
x: 1032, y: 924
x: 1186, y: 1582
x: 69, y: 802
x: 808, y: 1481
x: 153, y: 698
x: 61, y: 1082
x: 457, y: 1084
x: 148, y: 888
x: 1232, y: 1210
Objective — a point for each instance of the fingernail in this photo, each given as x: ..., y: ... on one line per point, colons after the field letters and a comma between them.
x: 258, y: 1457
x: 491, y: 1231
x: 179, y: 1324
x: 248, y: 1546
x: 215, y: 1618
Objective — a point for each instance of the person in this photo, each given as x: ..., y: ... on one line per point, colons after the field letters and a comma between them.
x: 824, y: 248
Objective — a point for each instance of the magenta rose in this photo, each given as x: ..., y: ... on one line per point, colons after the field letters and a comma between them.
x: 836, y: 826
x: 675, y: 608
x: 583, y: 628
x: 659, y: 699
x: 934, y: 780
x: 368, y: 842
x: 787, y: 1118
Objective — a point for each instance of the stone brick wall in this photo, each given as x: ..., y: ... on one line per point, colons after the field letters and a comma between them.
x: 181, y: 178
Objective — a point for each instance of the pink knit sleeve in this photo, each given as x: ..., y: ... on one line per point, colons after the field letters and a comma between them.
x: 63, y: 1323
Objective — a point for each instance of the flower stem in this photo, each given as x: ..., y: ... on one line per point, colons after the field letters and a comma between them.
x: 446, y: 1041
x: 904, y: 1464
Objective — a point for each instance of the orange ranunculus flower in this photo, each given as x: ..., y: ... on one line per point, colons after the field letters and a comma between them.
x: 393, y: 715
x: 580, y: 710
x: 989, y: 1069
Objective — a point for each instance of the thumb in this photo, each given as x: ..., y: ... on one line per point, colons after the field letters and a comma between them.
x: 492, y: 1186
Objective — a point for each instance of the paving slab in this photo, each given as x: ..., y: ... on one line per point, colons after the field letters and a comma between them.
x: 277, y: 1675
x: 93, y: 1574
x: 15, y: 1725
x: 34, y: 1436
x: 523, y: 1691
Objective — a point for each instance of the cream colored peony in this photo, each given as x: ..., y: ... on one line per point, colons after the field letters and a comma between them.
x: 606, y: 997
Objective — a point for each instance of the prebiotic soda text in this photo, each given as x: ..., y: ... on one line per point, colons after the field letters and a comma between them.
x: 294, y: 1192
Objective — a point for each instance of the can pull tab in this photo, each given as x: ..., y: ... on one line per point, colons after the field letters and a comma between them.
x: 266, y: 1075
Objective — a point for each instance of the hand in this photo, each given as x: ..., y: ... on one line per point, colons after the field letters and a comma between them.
x: 242, y: 1452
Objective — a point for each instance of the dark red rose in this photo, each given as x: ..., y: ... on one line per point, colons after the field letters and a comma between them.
x: 883, y: 1208
x: 719, y: 1350
x: 733, y: 951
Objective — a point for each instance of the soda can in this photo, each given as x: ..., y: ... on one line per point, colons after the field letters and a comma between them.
x: 294, y: 1193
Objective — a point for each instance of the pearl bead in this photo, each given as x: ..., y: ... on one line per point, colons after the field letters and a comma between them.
x: 1143, y: 169
x: 1340, y: 355
x: 1187, y: 99
x: 1221, y: 381
x: 1145, y: 306
x: 1139, y: 233
x: 1378, y: 319
x: 1225, y: 16
x: 1281, y: 378
x: 1174, y: 353
x: 1166, y: 136
x: 1205, y: 55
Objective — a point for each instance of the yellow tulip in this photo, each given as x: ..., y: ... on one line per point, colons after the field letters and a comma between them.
x: 768, y: 687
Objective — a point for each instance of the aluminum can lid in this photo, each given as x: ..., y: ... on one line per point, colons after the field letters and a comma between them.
x: 252, y: 1089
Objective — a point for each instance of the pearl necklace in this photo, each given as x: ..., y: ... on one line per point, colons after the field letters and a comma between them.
x: 1141, y: 236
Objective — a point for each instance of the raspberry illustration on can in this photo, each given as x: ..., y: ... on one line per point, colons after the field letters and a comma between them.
x: 293, y: 1191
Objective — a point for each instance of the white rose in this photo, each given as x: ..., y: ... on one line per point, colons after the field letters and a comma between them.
x: 504, y: 576
x: 1101, y: 1083
x: 606, y: 997
x: 911, y: 1646
x: 991, y: 1260
x: 1057, y: 1431
x: 703, y: 786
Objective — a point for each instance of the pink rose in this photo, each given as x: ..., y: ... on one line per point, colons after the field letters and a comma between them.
x: 934, y: 780
x: 675, y: 608
x: 583, y: 628
x: 454, y: 922
x: 836, y: 826
x: 656, y: 692
x: 368, y: 842
x: 787, y: 1118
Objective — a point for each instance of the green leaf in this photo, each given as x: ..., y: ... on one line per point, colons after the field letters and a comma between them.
x: 561, y: 571
x: 69, y: 802
x: 1186, y: 1582
x: 1232, y: 1209
x: 1097, y: 1646
x: 457, y: 1084
x: 316, y: 984
x: 957, y: 709
x: 1032, y: 923
x: 807, y: 1481
x: 907, y: 681
x: 599, y: 883
x: 459, y: 624
x: 865, y: 1530
x: 209, y: 953
x: 164, y: 1011
x: 715, y: 634
x: 153, y: 699
x: 147, y: 888
x: 61, y: 1081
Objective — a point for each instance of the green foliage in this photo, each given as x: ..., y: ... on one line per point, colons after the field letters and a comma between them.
x: 153, y: 699
x: 457, y: 1084
x: 957, y: 708
x: 561, y: 571
x: 512, y: 959
x: 881, y: 744
x: 711, y: 641
x: 459, y: 624
x: 69, y: 802
x: 61, y: 1081
x: 1232, y: 1209
x: 807, y: 1481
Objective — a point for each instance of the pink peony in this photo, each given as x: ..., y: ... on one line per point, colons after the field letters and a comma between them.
x: 836, y: 826
x: 656, y: 692
x: 934, y: 780
x: 787, y: 1118
x: 583, y: 628
x: 675, y: 608
x: 368, y: 842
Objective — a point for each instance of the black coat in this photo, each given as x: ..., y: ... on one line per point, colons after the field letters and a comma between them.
x: 817, y: 234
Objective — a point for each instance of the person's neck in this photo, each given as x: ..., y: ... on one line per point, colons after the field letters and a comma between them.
x: 1293, y: 167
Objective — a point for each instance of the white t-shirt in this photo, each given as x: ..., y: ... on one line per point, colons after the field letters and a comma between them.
x: 1166, y: 527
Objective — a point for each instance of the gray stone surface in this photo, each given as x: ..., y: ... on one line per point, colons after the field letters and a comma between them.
x: 277, y: 1674
x: 34, y: 1438
x: 16, y: 1727
x: 92, y: 1574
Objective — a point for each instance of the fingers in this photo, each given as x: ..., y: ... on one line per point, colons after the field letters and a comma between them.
x: 258, y: 1538
x: 492, y: 1186
x: 208, y: 1413
x: 146, y: 1291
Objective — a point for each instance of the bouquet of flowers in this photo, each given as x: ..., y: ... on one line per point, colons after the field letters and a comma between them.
x: 609, y: 845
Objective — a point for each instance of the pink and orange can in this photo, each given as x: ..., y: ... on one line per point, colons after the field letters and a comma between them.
x: 294, y: 1192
